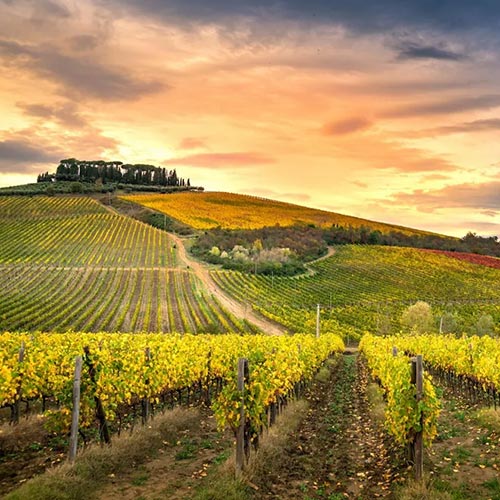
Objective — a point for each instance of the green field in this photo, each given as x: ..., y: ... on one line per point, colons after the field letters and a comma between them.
x: 367, y: 287
x: 69, y: 263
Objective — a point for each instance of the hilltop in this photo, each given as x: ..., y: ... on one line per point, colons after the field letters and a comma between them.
x: 262, y: 236
x: 209, y: 210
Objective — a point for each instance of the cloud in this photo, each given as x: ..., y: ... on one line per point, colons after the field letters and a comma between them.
x: 36, y: 149
x: 484, y: 196
x: 489, y: 213
x: 445, y: 106
x: 485, y: 125
x: 20, y: 156
x: 193, y: 143
x: 346, y: 126
x: 50, y: 9
x: 66, y: 113
x: 356, y: 15
x: 360, y: 184
x: 84, y: 76
x: 222, y: 160
x: 84, y: 42
x: 411, y: 50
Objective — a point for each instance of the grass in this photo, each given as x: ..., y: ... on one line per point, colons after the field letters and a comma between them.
x: 222, y: 483
x: 488, y: 418
x: 375, y: 397
x: 323, y: 374
x: 424, y: 490
x: 94, y: 465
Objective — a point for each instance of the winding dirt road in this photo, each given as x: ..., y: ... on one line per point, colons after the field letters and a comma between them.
x: 234, y: 307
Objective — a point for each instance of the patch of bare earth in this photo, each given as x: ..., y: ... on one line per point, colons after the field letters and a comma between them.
x: 176, y: 466
x: 466, y: 454
x: 338, y: 450
x: 26, y: 450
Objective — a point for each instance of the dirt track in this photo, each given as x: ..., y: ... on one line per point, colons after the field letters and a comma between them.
x: 237, y: 309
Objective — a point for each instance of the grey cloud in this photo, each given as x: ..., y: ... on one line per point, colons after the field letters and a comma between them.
x: 489, y: 213
x: 357, y: 15
x: 19, y: 155
x: 466, y: 127
x: 51, y: 9
x: 416, y: 51
x: 84, y: 42
x: 83, y: 76
x: 66, y: 114
x: 445, y: 106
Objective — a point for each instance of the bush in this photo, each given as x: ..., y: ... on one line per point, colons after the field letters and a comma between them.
x: 418, y: 318
x: 76, y: 187
x: 485, y: 325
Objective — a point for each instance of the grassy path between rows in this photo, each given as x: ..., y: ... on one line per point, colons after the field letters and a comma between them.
x: 338, y: 450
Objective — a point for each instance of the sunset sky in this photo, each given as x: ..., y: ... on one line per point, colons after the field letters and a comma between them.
x: 388, y: 109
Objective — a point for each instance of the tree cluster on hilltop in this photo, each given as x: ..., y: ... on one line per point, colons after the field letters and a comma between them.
x: 94, y: 171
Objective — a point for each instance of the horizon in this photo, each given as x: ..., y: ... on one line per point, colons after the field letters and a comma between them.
x: 389, y: 113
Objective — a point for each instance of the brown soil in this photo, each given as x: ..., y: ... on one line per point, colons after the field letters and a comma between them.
x: 178, y: 467
x: 234, y: 307
x: 465, y: 455
x: 338, y: 451
x: 26, y: 450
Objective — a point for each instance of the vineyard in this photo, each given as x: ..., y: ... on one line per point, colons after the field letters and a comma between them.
x: 475, y: 359
x: 236, y: 211
x: 68, y: 263
x: 367, y: 288
x: 126, y: 369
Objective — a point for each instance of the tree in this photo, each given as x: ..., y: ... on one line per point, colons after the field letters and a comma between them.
x: 76, y: 187
x: 450, y: 323
x: 485, y: 325
x: 418, y: 318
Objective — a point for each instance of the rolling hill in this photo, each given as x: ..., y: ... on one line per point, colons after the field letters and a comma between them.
x: 236, y: 211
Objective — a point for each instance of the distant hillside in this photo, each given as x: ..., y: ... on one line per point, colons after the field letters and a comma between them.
x: 368, y: 287
x: 236, y: 211
x: 262, y: 236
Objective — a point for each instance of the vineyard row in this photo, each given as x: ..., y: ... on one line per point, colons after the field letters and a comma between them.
x: 112, y: 299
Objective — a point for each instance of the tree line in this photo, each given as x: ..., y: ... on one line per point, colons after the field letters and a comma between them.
x: 364, y: 235
x: 237, y: 249
x: 95, y: 171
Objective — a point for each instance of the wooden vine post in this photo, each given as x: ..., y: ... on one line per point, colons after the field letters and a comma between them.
x: 240, y: 435
x: 19, y: 389
x: 75, y: 412
x: 100, y: 413
x: 145, y: 403
x: 417, y: 378
x: 318, y: 320
x: 207, y: 381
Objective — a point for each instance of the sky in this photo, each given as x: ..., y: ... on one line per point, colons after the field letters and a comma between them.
x: 387, y: 110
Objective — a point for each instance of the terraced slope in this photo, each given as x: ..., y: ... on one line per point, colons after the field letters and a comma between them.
x: 368, y: 287
x: 68, y: 263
